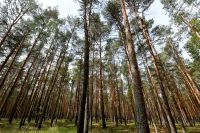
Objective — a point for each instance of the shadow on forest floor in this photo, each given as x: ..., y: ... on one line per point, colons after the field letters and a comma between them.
x: 63, y: 126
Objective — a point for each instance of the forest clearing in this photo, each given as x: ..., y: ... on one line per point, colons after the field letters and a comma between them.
x: 116, y: 66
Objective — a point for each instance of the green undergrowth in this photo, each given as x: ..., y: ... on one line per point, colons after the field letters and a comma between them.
x: 63, y: 126
x: 193, y: 129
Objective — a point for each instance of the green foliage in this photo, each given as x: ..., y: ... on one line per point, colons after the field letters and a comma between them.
x: 193, y: 47
x: 112, y: 12
x: 137, y: 5
x: 98, y: 29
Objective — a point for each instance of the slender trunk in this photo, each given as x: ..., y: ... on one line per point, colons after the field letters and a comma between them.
x: 101, y: 91
x: 57, y: 100
x: 14, y: 50
x: 123, y: 103
x: 11, y: 64
x: 19, y: 73
x: 155, y: 102
x: 15, y: 21
x: 21, y: 92
x: 78, y: 88
x: 179, y: 113
x: 6, y: 35
x: 86, y: 121
x: 158, y: 102
x: 188, y: 77
x: 119, y: 105
x: 30, y: 99
x: 42, y: 88
x: 91, y: 92
x: 192, y: 28
x: 47, y: 97
x: 70, y: 110
x: 193, y: 95
x: 113, y: 95
x: 80, y: 127
x: 151, y: 110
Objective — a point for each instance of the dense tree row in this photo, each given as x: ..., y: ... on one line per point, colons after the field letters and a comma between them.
x: 105, y: 65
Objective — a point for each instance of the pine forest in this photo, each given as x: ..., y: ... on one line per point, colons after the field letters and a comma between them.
x: 108, y: 69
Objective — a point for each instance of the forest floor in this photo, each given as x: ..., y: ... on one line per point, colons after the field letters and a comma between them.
x: 68, y: 127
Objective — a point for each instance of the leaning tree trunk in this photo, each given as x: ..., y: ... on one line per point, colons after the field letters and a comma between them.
x: 57, y: 100
x: 19, y: 73
x: 160, y: 78
x: 47, y: 97
x: 194, y: 87
x: 11, y: 64
x: 21, y: 91
x: 141, y: 116
x: 154, y: 92
x: 192, y: 28
x: 14, y: 50
x: 14, y: 22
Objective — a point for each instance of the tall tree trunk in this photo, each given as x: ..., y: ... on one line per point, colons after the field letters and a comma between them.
x: 186, y: 74
x: 11, y: 64
x: 14, y: 50
x: 113, y: 94
x: 78, y: 89
x: 141, y: 116
x: 158, y: 102
x: 101, y: 90
x: 21, y: 91
x: 86, y: 121
x: 152, y: 87
x: 92, y: 92
x: 19, y: 73
x: 47, y: 97
x: 57, y: 100
x: 29, y: 102
x: 80, y: 127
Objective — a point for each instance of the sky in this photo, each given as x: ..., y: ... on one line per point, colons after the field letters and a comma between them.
x: 70, y: 7
x: 65, y: 7
x: 157, y: 12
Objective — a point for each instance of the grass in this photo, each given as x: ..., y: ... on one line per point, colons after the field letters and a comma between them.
x: 195, y: 129
x: 111, y: 128
x: 63, y: 126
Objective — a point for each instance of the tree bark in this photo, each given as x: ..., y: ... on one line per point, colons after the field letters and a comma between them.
x: 101, y: 90
x: 80, y: 127
x: 141, y: 116
x: 19, y: 73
